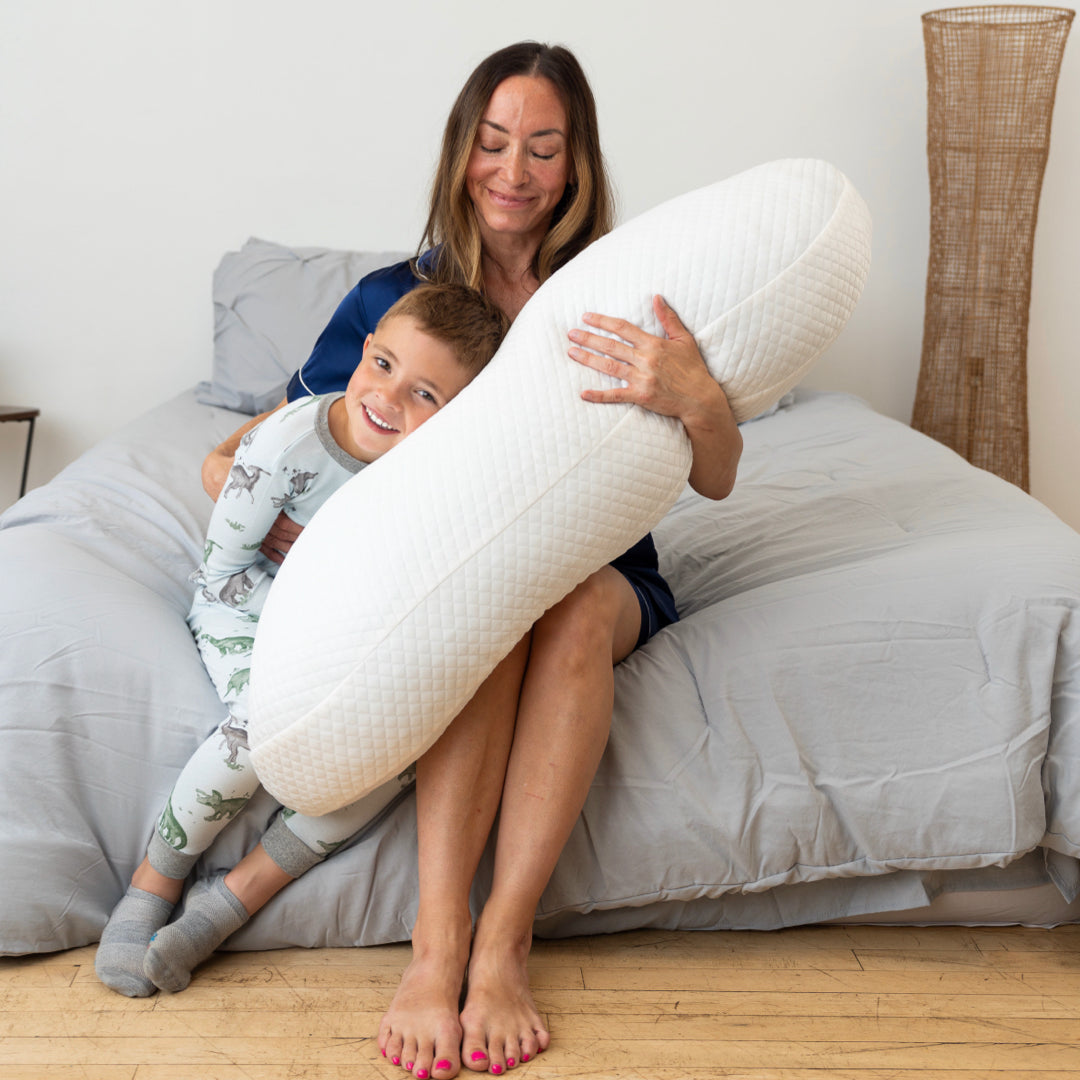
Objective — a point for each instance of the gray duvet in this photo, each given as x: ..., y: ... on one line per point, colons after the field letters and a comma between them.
x: 874, y: 691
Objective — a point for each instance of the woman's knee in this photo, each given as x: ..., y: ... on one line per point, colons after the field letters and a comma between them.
x: 601, y: 613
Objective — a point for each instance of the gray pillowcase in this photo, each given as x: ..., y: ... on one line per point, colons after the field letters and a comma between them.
x: 271, y: 302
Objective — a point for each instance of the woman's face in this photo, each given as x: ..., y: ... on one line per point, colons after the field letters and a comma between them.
x: 520, y: 162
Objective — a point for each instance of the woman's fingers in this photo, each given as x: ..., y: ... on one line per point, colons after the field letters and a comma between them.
x: 661, y: 373
x: 280, y: 538
x: 669, y: 320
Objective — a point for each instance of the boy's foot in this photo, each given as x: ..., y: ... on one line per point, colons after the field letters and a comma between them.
x: 421, y: 1031
x: 502, y: 1027
x: 120, y: 956
x: 211, y: 914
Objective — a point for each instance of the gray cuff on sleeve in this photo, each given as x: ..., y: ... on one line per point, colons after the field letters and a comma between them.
x: 288, y: 850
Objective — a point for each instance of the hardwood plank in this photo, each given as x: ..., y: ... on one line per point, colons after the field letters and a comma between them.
x: 883, y: 980
x: 548, y: 1071
x: 323, y: 1024
x: 814, y: 1029
x: 199, y: 998
x: 708, y: 1053
x: 225, y: 970
x: 997, y: 960
x: 197, y: 1052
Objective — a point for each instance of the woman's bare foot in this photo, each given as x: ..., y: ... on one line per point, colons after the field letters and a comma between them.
x: 421, y: 1030
x: 501, y: 1025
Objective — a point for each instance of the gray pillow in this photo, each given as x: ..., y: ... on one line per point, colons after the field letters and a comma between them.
x: 271, y: 302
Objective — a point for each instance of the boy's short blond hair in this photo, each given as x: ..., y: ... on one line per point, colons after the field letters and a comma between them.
x: 460, y: 317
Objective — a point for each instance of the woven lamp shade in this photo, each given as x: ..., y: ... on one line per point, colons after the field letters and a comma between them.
x: 991, y: 79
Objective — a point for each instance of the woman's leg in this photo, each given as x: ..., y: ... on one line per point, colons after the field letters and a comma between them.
x: 562, y: 728
x: 459, y: 782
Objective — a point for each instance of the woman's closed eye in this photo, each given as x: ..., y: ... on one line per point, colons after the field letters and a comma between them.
x: 538, y: 154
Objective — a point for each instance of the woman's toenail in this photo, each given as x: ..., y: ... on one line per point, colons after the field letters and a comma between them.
x: 479, y: 1055
x: 395, y: 1060
x: 444, y: 1064
x: 421, y: 1074
x: 524, y: 1057
x: 496, y: 1069
x: 409, y: 1065
x: 510, y: 1063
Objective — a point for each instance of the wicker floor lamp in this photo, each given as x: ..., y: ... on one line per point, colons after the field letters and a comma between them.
x: 991, y: 78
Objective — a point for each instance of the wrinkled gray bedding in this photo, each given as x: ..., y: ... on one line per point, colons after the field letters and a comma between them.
x: 874, y: 691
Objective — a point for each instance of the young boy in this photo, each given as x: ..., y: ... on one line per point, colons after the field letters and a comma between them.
x: 423, y: 351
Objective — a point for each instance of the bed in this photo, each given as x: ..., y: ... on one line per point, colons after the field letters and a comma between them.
x: 869, y: 710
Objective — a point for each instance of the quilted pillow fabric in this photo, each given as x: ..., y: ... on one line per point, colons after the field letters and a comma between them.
x: 420, y: 574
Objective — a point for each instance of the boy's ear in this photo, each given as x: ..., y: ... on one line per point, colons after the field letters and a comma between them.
x: 367, y: 343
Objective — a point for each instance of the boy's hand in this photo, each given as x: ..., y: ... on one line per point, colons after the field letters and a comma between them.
x: 280, y: 538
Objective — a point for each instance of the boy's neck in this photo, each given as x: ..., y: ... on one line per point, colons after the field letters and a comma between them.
x: 337, y: 420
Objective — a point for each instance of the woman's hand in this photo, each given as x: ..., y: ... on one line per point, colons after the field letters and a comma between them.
x: 281, y: 537
x: 666, y: 375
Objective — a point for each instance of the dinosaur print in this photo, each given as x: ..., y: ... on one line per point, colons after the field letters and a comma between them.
x: 235, y: 734
x: 237, y: 681
x: 219, y: 806
x: 299, y: 482
x: 234, y: 645
x: 208, y: 550
x: 241, y: 480
x: 235, y: 591
x: 170, y: 830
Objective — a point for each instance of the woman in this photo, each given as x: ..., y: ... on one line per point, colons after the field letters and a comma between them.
x: 519, y: 190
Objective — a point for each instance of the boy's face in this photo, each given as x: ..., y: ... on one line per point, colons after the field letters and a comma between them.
x: 404, y: 378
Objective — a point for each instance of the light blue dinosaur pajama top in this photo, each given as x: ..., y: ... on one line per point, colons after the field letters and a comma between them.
x: 288, y: 462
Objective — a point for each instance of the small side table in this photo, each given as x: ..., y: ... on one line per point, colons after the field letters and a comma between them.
x: 13, y: 412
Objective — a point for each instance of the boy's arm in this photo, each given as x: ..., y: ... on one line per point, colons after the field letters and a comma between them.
x: 247, y: 507
x: 216, y: 465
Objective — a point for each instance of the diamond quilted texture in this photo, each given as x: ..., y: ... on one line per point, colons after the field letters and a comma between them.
x: 518, y: 490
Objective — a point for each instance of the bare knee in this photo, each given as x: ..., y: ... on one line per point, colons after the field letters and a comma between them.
x: 599, y: 618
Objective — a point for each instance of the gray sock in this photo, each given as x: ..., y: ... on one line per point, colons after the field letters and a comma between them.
x: 211, y: 914
x: 120, y: 956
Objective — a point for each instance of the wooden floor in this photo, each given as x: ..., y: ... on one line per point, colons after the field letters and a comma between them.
x: 865, y: 1003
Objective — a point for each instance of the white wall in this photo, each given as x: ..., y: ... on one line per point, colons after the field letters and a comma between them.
x: 140, y: 139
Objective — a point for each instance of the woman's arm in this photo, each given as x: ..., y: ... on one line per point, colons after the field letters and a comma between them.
x: 667, y: 375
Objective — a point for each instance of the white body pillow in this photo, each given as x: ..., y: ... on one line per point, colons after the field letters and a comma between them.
x: 420, y: 574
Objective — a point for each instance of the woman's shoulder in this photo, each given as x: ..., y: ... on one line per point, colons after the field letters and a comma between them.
x: 394, y: 280
x: 377, y: 291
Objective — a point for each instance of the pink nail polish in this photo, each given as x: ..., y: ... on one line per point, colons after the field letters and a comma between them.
x: 479, y: 1055
x: 524, y: 1057
x: 409, y: 1065
x: 421, y: 1074
x: 395, y: 1060
x: 510, y: 1063
x: 496, y: 1069
x: 444, y: 1064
